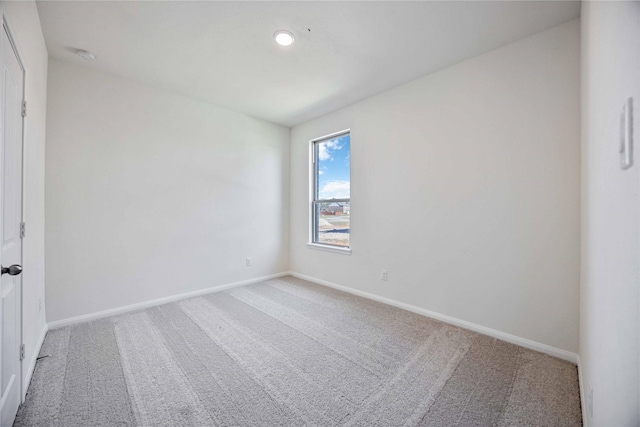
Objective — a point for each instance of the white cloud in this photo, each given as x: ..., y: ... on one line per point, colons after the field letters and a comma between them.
x: 325, y: 149
x: 336, y: 190
x: 333, y: 144
x: 323, y: 153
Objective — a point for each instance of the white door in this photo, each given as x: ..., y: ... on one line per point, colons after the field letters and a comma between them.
x: 11, y: 84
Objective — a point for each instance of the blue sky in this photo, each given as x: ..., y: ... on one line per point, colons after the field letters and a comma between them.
x: 334, y: 168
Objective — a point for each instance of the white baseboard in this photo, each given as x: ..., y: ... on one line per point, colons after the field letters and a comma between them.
x: 32, y: 363
x: 159, y: 301
x: 583, y: 395
x: 533, y: 345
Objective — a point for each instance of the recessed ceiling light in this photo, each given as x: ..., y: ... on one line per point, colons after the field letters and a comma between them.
x: 283, y: 37
x: 85, y: 54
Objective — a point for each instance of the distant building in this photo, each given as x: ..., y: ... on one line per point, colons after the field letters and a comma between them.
x: 333, y: 209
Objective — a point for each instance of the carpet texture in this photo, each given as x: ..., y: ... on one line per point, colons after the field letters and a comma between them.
x: 290, y: 353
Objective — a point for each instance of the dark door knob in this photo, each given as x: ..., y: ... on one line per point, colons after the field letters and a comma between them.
x: 14, y: 270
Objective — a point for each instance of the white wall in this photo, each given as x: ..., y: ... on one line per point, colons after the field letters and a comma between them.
x: 24, y: 22
x: 150, y: 194
x: 465, y: 187
x: 609, y: 322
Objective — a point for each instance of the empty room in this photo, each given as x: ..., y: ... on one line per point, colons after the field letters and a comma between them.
x: 320, y: 213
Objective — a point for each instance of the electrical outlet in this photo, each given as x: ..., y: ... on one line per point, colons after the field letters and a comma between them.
x: 248, y: 262
x: 590, y: 399
x: 383, y: 275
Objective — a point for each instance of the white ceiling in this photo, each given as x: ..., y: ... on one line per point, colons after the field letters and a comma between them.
x: 224, y: 53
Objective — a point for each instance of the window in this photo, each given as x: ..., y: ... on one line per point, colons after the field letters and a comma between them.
x: 331, y: 190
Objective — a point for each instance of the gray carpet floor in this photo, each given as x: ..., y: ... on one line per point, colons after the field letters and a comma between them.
x: 290, y: 353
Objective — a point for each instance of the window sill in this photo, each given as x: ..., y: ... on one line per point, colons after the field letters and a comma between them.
x: 319, y: 247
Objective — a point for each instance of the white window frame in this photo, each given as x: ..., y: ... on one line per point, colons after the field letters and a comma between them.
x: 313, y: 200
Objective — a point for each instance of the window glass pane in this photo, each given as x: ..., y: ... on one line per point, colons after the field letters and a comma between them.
x: 334, y: 168
x: 332, y: 223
